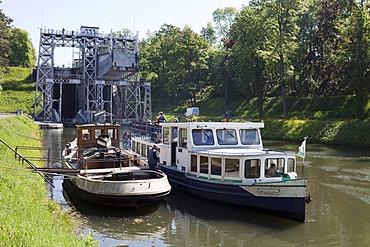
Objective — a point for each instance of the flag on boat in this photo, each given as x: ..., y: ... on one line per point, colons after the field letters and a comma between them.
x: 302, y: 149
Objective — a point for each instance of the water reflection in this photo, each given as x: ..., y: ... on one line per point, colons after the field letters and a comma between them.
x: 52, y: 142
x: 203, y: 223
x: 338, y: 179
x: 119, y: 223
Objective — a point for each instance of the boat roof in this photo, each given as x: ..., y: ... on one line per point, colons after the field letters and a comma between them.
x: 98, y: 125
x: 242, y: 151
x: 194, y: 125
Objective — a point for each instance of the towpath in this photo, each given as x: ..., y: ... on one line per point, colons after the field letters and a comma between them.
x: 5, y: 115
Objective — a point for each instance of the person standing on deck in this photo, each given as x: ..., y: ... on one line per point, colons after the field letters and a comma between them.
x: 153, y: 158
x: 162, y: 118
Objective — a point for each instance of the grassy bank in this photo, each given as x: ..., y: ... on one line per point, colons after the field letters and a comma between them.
x: 27, y: 216
x: 326, y: 120
x: 348, y: 132
x: 18, y: 91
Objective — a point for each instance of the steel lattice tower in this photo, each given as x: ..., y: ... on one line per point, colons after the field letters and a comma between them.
x: 105, y: 77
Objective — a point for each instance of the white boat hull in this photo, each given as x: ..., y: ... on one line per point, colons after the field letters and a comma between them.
x: 131, y: 193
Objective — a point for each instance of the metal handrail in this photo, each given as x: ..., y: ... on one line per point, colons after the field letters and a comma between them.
x: 21, y: 157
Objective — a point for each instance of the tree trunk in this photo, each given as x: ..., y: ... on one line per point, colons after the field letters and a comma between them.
x: 282, y: 85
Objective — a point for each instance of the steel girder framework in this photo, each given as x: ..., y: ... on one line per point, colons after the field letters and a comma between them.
x: 115, y: 82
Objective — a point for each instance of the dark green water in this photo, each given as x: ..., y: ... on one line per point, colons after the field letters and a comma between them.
x: 339, y: 214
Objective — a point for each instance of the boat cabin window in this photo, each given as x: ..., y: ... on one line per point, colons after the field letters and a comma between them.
x: 291, y: 165
x: 216, y: 164
x: 226, y: 137
x: 203, y: 168
x: 249, y: 137
x: 252, y: 168
x: 112, y: 133
x: 274, y: 167
x: 183, y: 138
x: 202, y: 137
x: 193, y: 163
x: 86, y: 134
x: 231, y: 167
x: 98, y: 132
x: 166, y: 135
x: 174, y: 134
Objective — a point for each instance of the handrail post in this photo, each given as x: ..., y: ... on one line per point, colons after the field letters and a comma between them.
x: 27, y: 161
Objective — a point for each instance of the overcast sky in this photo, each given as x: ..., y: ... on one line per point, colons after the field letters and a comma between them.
x: 136, y: 15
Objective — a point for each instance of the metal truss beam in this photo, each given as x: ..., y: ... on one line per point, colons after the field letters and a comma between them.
x: 107, y: 90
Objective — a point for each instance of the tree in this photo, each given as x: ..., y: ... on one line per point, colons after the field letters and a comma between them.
x: 124, y: 32
x: 326, y: 70
x: 281, y: 44
x: 22, y: 51
x: 209, y: 33
x: 247, y: 64
x: 223, y: 19
x: 355, y: 51
x: 176, y: 61
x: 5, y: 36
x: 304, y: 84
x: 191, y: 71
x: 156, y: 59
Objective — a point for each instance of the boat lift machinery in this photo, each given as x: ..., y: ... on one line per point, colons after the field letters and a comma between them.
x: 105, y: 77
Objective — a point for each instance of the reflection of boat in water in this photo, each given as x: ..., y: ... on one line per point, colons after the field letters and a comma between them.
x: 198, y: 222
x: 114, y: 226
x: 214, y: 211
x: 102, y: 173
x: 226, y: 162
x: 90, y: 209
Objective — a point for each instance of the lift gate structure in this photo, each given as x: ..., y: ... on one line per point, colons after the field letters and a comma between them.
x: 104, y: 78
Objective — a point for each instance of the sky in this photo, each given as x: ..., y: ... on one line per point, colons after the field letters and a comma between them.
x: 139, y: 16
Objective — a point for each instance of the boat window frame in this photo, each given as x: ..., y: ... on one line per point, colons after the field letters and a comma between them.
x: 194, y: 163
x: 245, y: 140
x: 97, y: 133
x: 226, y: 141
x: 183, y: 137
x: 112, y: 133
x: 86, y: 134
x: 204, y: 164
x: 174, y: 131
x: 280, y: 166
x: 231, y: 174
x: 256, y: 170
x: 166, y: 135
x: 202, y: 137
x: 291, y: 165
x: 214, y: 167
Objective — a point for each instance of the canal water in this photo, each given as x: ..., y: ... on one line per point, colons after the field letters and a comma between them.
x: 339, y: 215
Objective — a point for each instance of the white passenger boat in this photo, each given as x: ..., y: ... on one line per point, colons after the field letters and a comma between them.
x: 226, y: 162
x: 102, y: 173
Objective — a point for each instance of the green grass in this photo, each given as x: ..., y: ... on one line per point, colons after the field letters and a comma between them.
x: 341, y: 132
x: 11, y: 101
x: 18, y: 92
x: 14, y: 77
x: 28, y: 217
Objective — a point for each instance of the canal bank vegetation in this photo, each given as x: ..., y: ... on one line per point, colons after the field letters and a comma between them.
x: 28, y: 217
x: 326, y: 120
x: 17, y: 91
x: 329, y: 120
x: 246, y: 66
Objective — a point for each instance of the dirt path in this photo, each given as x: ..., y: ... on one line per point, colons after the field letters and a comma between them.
x: 5, y: 115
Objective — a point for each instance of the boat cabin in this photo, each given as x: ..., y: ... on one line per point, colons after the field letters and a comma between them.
x: 223, y: 151
x: 98, y: 146
x: 88, y: 134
